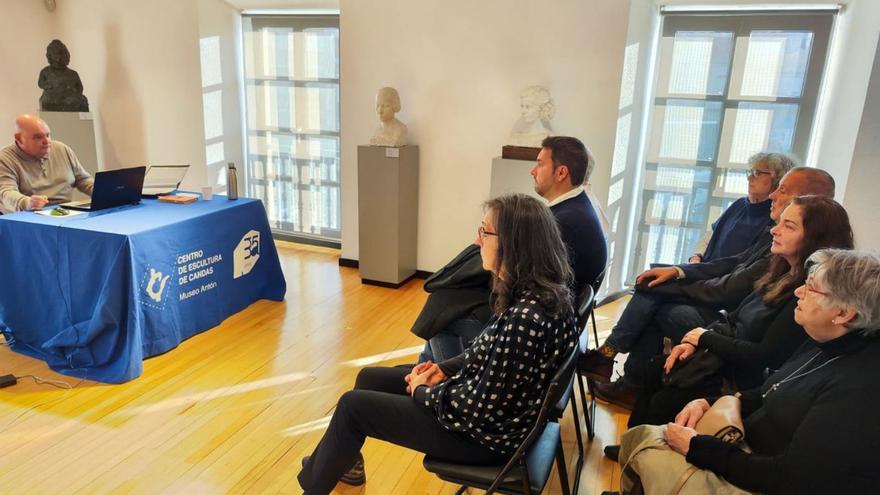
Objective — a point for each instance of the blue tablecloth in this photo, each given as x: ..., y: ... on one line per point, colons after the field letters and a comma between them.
x: 96, y: 294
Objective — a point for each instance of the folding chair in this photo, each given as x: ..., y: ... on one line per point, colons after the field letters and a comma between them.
x: 584, y: 314
x: 530, y: 465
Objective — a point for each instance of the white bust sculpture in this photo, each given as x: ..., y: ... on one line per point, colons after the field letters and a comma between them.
x: 391, y: 132
x: 533, y: 126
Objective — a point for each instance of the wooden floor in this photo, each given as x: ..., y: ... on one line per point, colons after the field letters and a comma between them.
x: 233, y: 410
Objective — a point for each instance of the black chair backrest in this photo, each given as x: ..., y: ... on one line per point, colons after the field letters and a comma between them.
x: 597, y: 284
x: 559, y: 384
x: 583, y: 303
x: 583, y: 306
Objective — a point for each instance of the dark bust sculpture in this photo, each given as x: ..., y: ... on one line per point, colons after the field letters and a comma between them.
x: 62, y: 88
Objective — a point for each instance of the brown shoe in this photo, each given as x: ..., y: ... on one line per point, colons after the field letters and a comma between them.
x: 617, y: 393
x: 595, y: 365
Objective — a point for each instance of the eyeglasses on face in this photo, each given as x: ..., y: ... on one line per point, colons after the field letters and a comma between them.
x: 809, y: 287
x: 482, y: 232
x: 757, y: 173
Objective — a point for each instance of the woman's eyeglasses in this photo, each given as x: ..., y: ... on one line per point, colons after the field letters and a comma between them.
x: 757, y: 173
x: 808, y: 285
x: 482, y: 232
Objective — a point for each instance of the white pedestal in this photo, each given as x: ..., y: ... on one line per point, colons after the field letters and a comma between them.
x: 77, y: 130
x: 388, y: 202
x: 511, y: 176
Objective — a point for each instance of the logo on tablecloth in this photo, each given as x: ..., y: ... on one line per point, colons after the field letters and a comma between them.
x: 246, y: 254
x: 154, y: 285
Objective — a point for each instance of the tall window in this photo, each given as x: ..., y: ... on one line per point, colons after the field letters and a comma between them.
x: 292, y: 104
x: 727, y: 87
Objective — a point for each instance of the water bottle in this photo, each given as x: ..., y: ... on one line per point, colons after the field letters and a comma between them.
x: 231, y: 182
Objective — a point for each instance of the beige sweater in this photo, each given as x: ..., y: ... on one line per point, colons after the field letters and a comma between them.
x: 55, y: 176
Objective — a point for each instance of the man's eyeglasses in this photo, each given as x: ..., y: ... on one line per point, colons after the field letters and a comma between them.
x: 757, y: 173
x: 482, y: 232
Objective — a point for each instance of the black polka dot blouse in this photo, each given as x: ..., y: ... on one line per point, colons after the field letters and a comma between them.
x: 496, y: 396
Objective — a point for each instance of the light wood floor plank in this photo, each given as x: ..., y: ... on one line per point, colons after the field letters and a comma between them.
x: 234, y: 409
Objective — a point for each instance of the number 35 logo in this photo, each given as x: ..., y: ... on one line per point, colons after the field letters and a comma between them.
x: 246, y: 254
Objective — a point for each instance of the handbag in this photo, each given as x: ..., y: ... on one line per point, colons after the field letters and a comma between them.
x: 703, y: 363
x: 723, y: 420
x: 693, y: 371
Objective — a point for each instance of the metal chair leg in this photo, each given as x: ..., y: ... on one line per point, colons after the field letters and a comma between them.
x: 589, y: 413
x: 560, y: 466
x: 593, y: 319
x: 579, y: 464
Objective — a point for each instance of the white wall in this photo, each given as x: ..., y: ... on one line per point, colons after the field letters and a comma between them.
x: 22, y: 56
x: 139, y: 64
x: 459, y: 67
x: 220, y: 23
x: 861, y: 200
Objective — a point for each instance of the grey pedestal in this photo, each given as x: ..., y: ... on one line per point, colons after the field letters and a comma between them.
x: 388, y: 202
x: 76, y: 130
x: 511, y: 176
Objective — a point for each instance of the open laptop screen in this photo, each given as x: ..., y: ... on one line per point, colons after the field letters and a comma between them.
x: 113, y: 188
x: 163, y: 179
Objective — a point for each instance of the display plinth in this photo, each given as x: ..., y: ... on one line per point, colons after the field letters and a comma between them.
x: 388, y: 202
x: 77, y: 130
x: 511, y: 176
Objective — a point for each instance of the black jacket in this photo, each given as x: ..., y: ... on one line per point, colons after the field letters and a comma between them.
x: 459, y: 289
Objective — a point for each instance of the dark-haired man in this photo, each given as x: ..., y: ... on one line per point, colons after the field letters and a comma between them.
x: 458, y: 307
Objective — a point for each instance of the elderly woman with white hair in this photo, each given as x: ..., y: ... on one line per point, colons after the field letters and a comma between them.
x: 748, y: 218
x: 812, y: 427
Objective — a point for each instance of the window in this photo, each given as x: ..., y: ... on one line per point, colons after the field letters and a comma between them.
x: 727, y: 86
x: 292, y: 105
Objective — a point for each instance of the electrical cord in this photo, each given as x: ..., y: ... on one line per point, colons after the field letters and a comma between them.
x: 44, y: 381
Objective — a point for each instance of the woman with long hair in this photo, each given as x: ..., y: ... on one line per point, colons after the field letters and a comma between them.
x: 479, y: 406
x: 761, y: 333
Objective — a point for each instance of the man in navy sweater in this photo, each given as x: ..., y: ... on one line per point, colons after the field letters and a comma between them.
x: 563, y: 166
x: 458, y: 307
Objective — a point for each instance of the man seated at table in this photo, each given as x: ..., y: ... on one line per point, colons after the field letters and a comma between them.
x: 35, y: 171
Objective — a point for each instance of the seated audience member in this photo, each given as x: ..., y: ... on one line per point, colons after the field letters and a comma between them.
x: 746, y: 219
x: 812, y: 426
x: 458, y: 307
x: 662, y: 307
x: 478, y: 406
x: 760, y: 334
x: 36, y: 171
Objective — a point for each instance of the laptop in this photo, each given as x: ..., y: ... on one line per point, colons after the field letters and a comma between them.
x: 113, y: 188
x: 163, y: 179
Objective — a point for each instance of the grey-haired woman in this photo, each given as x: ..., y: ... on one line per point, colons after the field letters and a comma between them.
x: 812, y: 427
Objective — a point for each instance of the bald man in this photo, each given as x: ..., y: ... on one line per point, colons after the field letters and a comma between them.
x: 35, y: 171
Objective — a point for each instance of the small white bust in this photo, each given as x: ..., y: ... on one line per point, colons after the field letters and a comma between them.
x: 533, y: 126
x: 391, y: 132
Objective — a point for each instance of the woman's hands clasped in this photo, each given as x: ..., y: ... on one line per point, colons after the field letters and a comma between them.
x: 426, y: 373
x: 679, y: 437
x: 680, y: 433
x: 692, y: 412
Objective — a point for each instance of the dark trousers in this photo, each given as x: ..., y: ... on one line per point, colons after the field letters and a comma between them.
x: 379, y: 407
x: 658, y: 405
x: 648, y: 318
